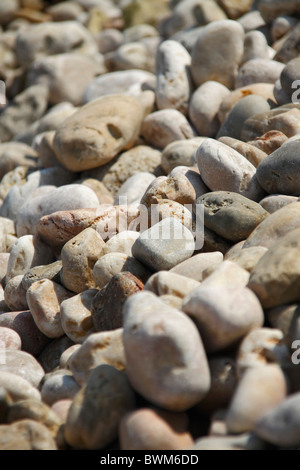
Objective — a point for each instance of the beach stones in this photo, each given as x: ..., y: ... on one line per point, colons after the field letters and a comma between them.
x: 231, y: 215
x: 164, y: 245
x: 227, y: 38
x: 75, y: 315
x: 151, y: 328
x: 224, y: 169
x: 94, y: 148
x: 26, y: 434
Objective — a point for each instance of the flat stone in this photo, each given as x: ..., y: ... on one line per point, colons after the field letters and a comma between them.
x: 173, y: 87
x: 101, y: 348
x: 211, y: 309
x: 75, y: 315
x: 241, y: 111
x: 227, y: 38
x: 106, y: 306
x: 68, y: 197
x: 44, y: 298
x: 275, y: 227
x: 195, y: 266
x: 280, y: 426
x: 24, y: 365
x: 260, y: 390
x: 273, y: 203
x: 168, y: 283
x: 112, y: 264
x: 79, y: 256
x: 167, y: 380
x: 250, y: 152
x: 275, y: 278
x: 160, y: 128
x: 26, y: 435
x: 258, y: 71
x: 164, y: 245
x: 98, y: 408
x: 231, y: 215
x: 204, y: 106
x: 95, y: 148
x: 279, y: 172
x: 224, y: 169
x: 17, y: 387
x: 168, y: 430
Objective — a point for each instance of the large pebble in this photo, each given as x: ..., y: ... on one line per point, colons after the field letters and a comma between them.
x: 98, y: 349
x: 114, y: 263
x: 17, y: 387
x: 218, y: 52
x: 98, y: 408
x: 275, y: 278
x: 167, y: 283
x: 231, y: 215
x: 33, y: 340
x: 224, y: 169
x: 161, y: 365
x: 281, y: 425
x: 79, y: 256
x: 168, y: 431
x: 106, y: 307
x: 224, y: 315
x: 164, y: 245
x: 226, y: 274
x: 195, y: 266
x: 259, y: 71
x: 276, y: 226
x: 173, y: 86
x: 72, y: 196
x: 204, y: 106
x: 279, y: 172
x: 26, y: 434
x: 44, y: 299
x: 23, y: 364
x: 75, y: 315
x: 98, y: 132
x: 160, y: 128
x: 260, y: 390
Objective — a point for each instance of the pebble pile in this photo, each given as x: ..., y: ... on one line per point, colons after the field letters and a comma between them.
x: 149, y: 225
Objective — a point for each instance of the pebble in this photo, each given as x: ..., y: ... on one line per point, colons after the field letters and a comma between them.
x: 275, y: 277
x: 114, y: 263
x: 224, y: 169
x: 38, y: 273
x: 26, y: 434
x: 271, y: 9
x: 281, y: 26
x: 101, y: 348
x: 204, y: 106
x: 122, y: 242
x: 50, y: 356
x: 17, y: 387
x: 168, y: 283
x: 151, y: 330
x: 285, y: 318
x: 75, y: 315
x: 14, y: 154
x: 164, y: 245
x: 275, y: 176
x: 258, y: 71
x: 162, y: 127
x: 288, y: 47
x: 98, y: 408
x: 44, y: 298
x: 166, y: 208
x: 280, y: 426
x: 231, y: 215
x: 79, y: 256
x: 61, y: 408
x: 134, y: 188
x: 67, y: 353
x: 107, y: 304
x: 15, y: 294
x: 179, y: 153
x: 220, y: 326
x: 247, y: 258
x: 273, y: 203
x: 173, y: 87
x: 9, y: 339
x: 168, y: 431
x: 260, y: 390
x: 194, y: 267
x: 59, y: 386
x: 92, y: 147
x: 24, y: 365
x: 269, y: 142
x: 255, y: 46
x: 253, y: 154
x: 226, y: 37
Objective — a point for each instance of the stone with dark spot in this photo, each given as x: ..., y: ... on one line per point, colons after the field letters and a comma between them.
x: 108, y: 303
x: 231, y: 215
x: 37, y: 273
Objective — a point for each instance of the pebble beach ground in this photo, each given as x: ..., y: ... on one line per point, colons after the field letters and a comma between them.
x: 149, y: 225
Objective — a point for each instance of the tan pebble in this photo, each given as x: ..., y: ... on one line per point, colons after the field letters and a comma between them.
x: 167, y: 283
x: 26, y: 435
x: 61, y: 408
x: 9, y: 339
x: 75, y: 314
x: 18, y: 387
x: 195, y: 266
